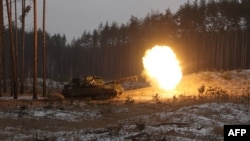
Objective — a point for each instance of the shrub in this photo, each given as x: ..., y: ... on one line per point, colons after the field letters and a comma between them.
x: 226, y: 75
x: 215, y: 92
x: 156, y: 98
x: 129, y: 100
x: 201, y: 89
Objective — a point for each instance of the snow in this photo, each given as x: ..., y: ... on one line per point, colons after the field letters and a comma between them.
x: 198, y: 121
x: 195, y: 120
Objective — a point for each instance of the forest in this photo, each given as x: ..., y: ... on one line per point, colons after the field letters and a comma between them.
x: 205, y: 35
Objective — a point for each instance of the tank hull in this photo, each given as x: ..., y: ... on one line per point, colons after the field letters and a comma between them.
x: 93, y: 93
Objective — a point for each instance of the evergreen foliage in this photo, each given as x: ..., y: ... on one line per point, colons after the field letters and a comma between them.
x: 205, y: 35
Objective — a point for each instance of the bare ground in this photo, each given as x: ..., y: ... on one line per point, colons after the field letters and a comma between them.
x: 141, y: 114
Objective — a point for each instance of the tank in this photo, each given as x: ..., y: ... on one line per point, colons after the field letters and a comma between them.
x: 94, y: 87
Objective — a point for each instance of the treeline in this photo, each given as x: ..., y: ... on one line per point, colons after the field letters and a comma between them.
x: 205, y: 35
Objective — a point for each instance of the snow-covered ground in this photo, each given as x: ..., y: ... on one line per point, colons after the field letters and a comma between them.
x: 128, y: 118
x: 194, y: 122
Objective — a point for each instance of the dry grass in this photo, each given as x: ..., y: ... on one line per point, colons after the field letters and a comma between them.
x: 127, y: 109
x: 115, y: 114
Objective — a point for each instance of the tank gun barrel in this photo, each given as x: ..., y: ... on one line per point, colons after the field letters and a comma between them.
x: 130, y: 78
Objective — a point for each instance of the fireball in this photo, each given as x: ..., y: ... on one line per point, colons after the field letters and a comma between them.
x: 162, y: 68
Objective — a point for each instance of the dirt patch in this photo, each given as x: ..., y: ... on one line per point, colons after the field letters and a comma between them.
x: 144, y: 114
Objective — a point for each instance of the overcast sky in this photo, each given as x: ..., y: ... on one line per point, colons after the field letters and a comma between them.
x: 72, y: 17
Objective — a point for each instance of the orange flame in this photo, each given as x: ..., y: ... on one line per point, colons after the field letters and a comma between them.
x: 162, y: 67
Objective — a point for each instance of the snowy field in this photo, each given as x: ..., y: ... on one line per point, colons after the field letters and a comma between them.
x: 197, y: 110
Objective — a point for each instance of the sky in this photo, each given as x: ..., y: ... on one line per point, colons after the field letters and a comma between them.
x: 73, y: 17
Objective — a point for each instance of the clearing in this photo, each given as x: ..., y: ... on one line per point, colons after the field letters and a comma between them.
x: 196, y: 110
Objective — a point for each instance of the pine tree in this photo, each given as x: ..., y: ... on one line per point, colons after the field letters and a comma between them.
x: 44, y: 49
x: 35, y: 53
x: 13, y: 52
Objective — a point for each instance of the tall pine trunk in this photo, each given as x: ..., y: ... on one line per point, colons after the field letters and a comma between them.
x: 35, y: 52
x: 13, y: 52
x: 16, y: 43
x: 44, y: 49
x: 23, y: 44
x: 1, y: 45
